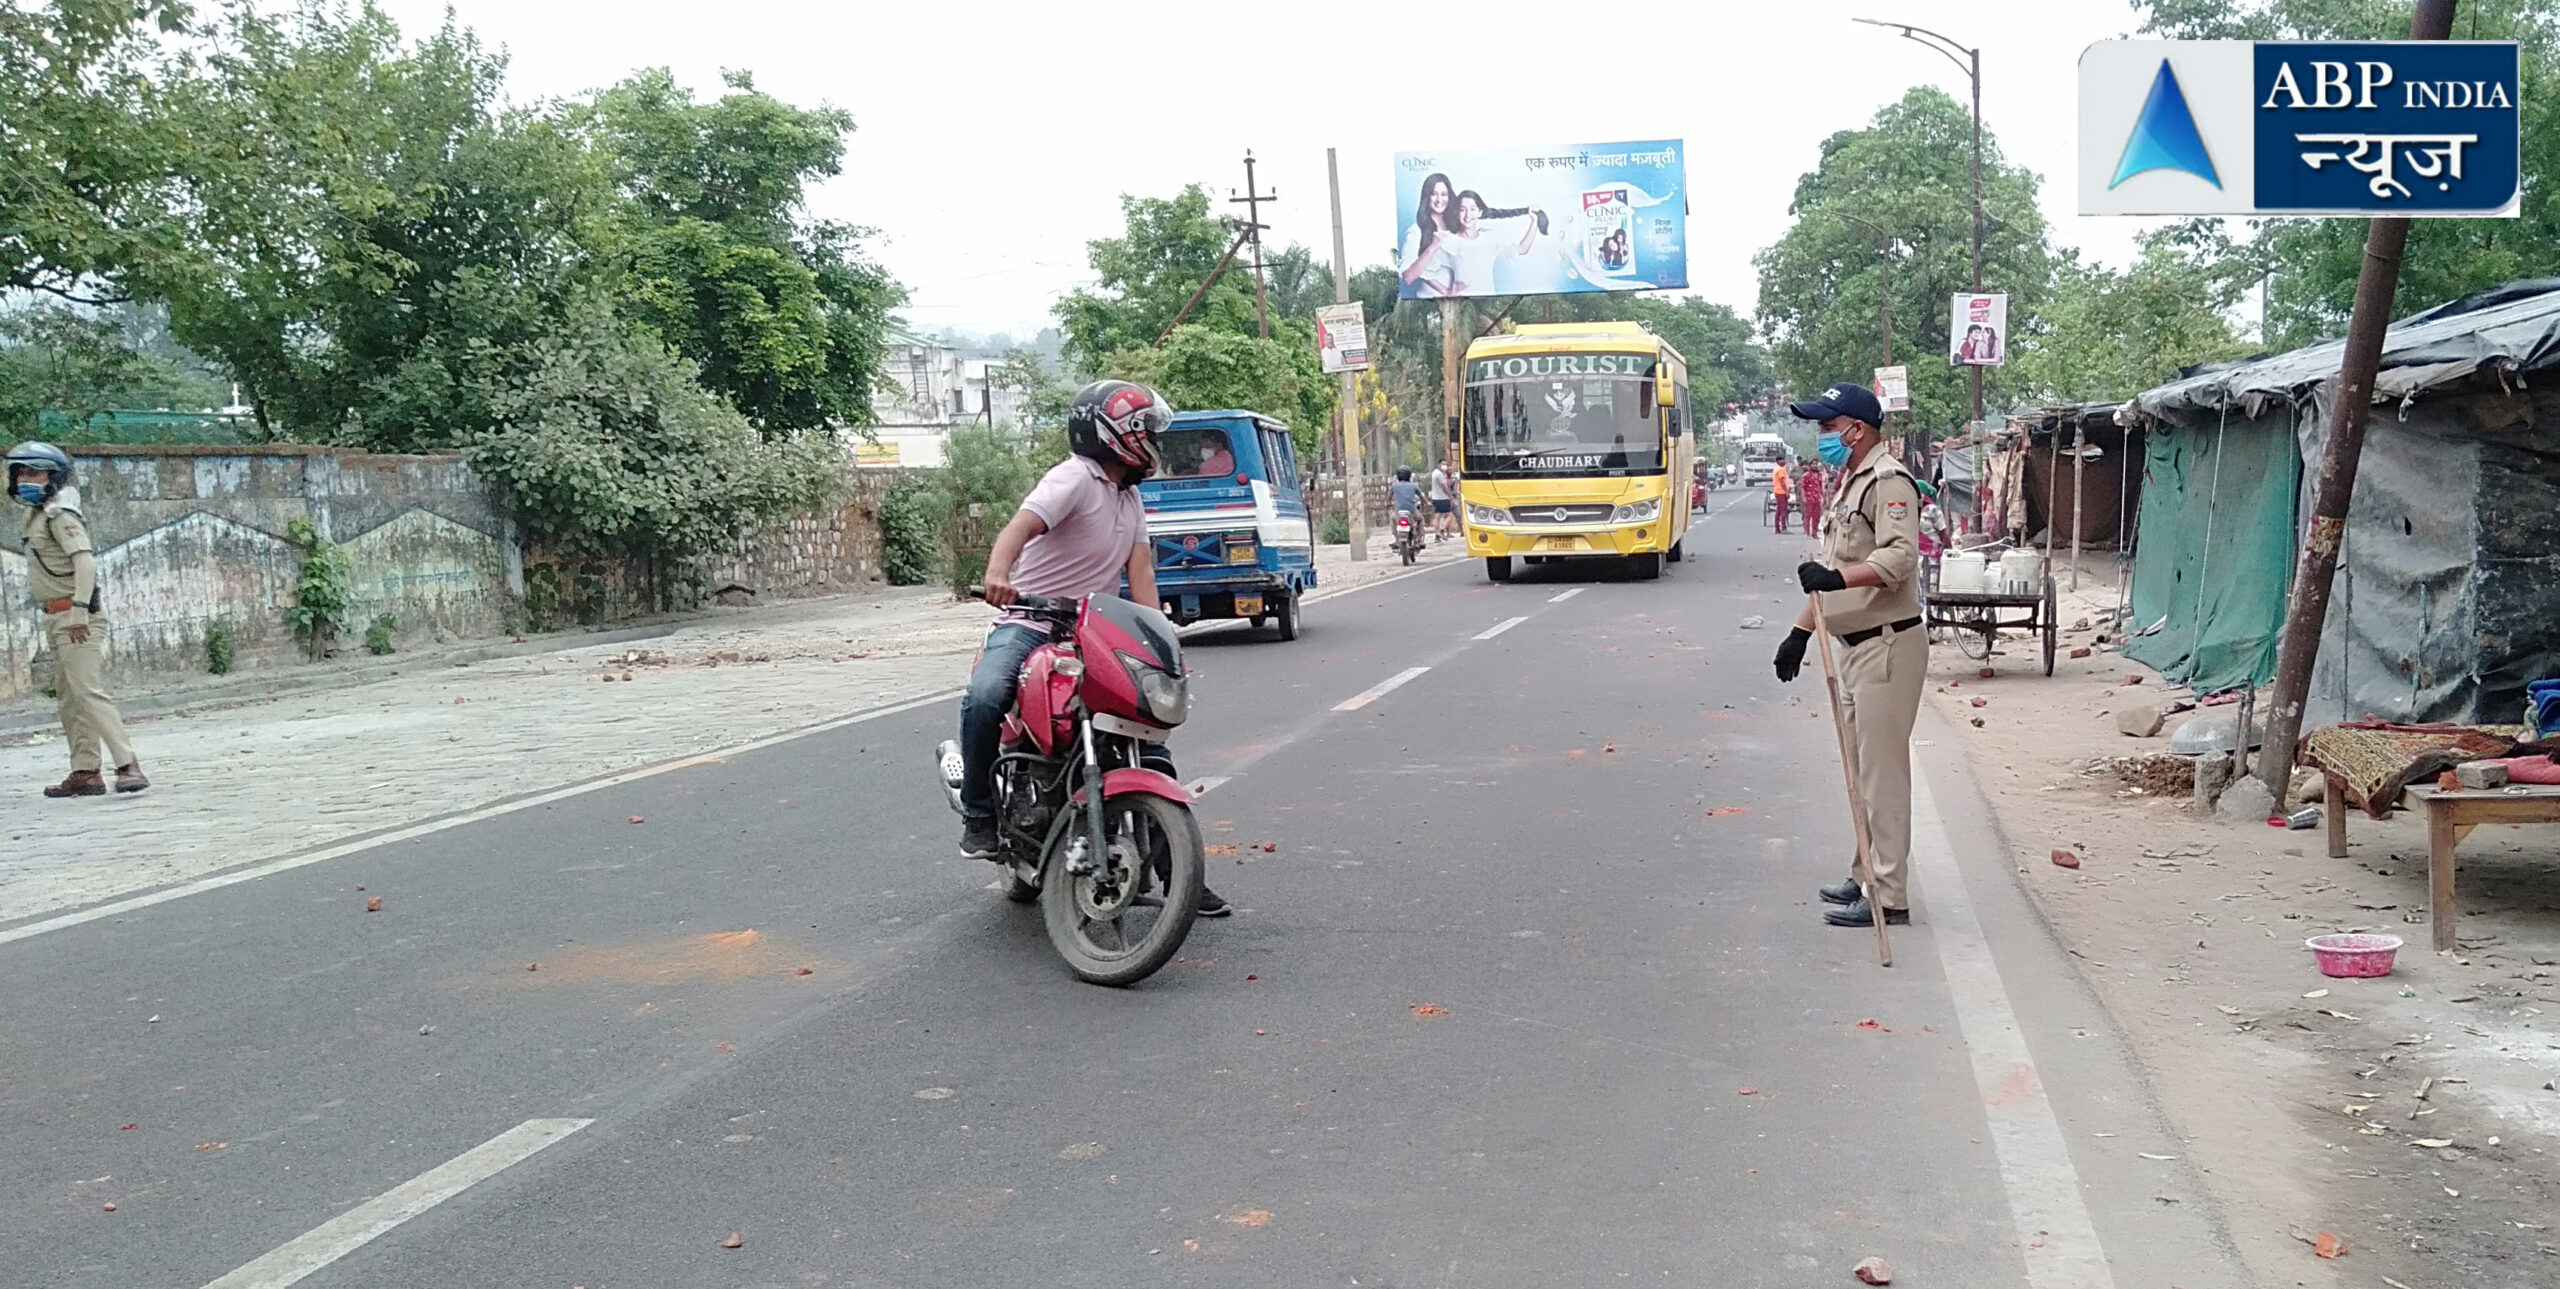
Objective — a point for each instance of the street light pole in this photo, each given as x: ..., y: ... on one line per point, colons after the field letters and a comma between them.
x: 1968, y: 61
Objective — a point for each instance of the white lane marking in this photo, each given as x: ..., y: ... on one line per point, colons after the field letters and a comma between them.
x: 358, y: 1226
x: 219, y: 880
x: 1380, y: 690
x: 2055, y: 1235
x: 1559, y: 599
x: 1201, y: 787
x: 1498, y: 628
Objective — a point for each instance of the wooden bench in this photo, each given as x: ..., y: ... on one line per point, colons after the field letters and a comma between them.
x: 2451, y: 815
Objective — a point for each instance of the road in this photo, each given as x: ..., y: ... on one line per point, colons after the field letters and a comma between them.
x: 1529, y: 987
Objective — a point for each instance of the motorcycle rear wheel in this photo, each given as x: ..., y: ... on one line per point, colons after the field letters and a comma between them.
x: 1155, y: 846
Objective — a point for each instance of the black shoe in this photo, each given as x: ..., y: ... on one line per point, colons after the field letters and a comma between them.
x: 1860, y: 913
x: 1847, y: 892
x: 1212, y: 905
x: 977, y: 838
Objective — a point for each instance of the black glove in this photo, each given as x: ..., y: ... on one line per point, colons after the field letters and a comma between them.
x: 1791, y: 654
x: 1816, y: 577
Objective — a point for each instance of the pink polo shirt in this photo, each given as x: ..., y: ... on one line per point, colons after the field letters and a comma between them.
x: 1093, y: 525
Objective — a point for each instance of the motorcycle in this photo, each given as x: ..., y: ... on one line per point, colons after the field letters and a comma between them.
x: 1408, y: 541
x: 1118, y: 873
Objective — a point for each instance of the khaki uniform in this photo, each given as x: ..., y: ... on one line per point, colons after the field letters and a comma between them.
x: 54, y: 538
x: 1873, y: 518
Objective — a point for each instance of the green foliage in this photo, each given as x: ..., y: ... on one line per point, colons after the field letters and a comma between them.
x: 220, y: 650
x: 2309, y: 266
x: 784, y: 317
x: 378, y: 634
x: 986, y: 472
x: 63, y: 360
x: 1203, y: 369
x: 90, y: 144
x: 910, y: 531
x: 1337, y: 528
x: 322, y: 607
x: 1910, y: 172
x: 1725, y: 363
x: 1166, y: 252
x: 2110, y: 335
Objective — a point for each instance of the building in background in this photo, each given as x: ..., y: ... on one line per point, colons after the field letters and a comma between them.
x: 927, y: 389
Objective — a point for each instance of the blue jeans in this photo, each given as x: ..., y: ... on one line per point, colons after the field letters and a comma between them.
x: 983, y: 709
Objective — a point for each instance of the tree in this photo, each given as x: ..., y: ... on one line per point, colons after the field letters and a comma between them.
x: 1201, y: 368
x: 1725, y: 363
x: 2308, y: 267
x: 784, y: 317
x: 1910, y: 172
x: 2110, y: 335
x: 66, y: 360
x: 1167, y: 250
x: 88, y: 143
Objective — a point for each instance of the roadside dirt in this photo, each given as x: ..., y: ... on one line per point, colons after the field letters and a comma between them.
x: 2414, y: 1116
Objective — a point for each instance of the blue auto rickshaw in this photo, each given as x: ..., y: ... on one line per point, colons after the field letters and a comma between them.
x: 1228, y: 517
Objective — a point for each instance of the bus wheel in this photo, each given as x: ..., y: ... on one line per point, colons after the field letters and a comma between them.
x: 1647, y: 566
x: 1497, y: 568
x: 1673, y: 554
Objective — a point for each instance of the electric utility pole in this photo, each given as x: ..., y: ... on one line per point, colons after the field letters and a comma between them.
x: 1355, y: 478
x: 1252, y: 202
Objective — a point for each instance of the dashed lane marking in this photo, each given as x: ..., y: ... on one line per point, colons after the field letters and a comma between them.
x: 1380, y: 690
x: 1561, y: 598
x: 366, y: 1222
x: 1498, y: 628
x: 1201, y: 787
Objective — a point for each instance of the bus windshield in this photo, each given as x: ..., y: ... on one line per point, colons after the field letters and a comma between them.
x: 1530, y: 425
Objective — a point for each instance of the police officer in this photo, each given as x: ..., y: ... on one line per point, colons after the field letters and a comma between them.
x: 62, y: 571
x: 1869, y: 582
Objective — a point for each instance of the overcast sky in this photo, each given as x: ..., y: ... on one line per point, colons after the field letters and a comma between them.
x: 994, y: 139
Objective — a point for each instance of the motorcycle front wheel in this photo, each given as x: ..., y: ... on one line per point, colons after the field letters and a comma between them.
x: 1118, y: 924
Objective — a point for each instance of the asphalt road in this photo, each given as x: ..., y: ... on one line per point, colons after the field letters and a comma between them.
x: 1529, y: 988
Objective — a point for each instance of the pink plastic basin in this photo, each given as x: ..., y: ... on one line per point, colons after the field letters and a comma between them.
x: 2354, y: 956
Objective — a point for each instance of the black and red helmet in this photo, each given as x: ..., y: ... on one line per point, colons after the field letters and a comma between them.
x: 1115, y: 420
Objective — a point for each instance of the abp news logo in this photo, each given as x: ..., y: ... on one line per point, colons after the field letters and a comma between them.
x: 2246, y: 128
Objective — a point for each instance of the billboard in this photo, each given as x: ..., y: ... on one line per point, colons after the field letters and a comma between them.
x: 1893, y: 388
x: 2238, y: 127
x: 1342, y: 338
x: 1542, y: 221
x: 1978, y: 330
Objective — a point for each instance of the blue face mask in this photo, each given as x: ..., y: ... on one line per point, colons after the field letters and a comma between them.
x: 30, y: 493
x: 1833, y: 449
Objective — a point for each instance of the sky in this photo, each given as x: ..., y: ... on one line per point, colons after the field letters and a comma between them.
x: 993, y: 140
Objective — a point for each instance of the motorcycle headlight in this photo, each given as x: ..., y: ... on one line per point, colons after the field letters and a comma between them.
x: 1634, y: 512
x: 1163, y: 696
x: 1487, y: 514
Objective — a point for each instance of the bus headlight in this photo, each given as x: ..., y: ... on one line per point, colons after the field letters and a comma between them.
x: 1487, y: 514
x: 1638, y: 512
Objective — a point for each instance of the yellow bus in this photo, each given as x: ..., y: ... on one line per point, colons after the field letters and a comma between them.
x: 1576, y: 442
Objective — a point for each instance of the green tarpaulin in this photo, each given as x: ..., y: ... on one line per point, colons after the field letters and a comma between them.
x: 2215, y: 555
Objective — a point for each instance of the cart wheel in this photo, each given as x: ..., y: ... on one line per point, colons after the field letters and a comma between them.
x: 1972, y: 639
x: 2052, y: 626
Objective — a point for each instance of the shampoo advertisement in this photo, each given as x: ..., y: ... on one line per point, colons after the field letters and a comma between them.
x: 1542, y: 221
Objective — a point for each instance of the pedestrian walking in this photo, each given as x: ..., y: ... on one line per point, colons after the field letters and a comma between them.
x: 1810, y: 499
x: 1444, y: 491
x: 1778, y: 493
x: 62, y: 574
x: 1869, y: 582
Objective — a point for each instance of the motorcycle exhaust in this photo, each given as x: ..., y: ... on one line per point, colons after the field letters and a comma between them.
x: 946, y: 758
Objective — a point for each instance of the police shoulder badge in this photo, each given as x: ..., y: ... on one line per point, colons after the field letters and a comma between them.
x: 1897, y: 511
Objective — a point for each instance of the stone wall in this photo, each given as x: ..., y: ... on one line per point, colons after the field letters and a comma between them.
x: 193, y: 536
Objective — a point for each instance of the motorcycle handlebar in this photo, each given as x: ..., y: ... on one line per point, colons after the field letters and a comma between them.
x: 1054, y: 605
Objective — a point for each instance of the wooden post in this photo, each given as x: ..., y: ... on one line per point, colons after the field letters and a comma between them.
x: 2079, y: 492
x: 1452, y: 353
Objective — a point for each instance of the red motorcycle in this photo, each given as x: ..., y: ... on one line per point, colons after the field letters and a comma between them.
x: 1118, y: 885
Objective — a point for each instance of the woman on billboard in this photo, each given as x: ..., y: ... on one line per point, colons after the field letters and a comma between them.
x: 1472, y: 254
x: 1425, y: 269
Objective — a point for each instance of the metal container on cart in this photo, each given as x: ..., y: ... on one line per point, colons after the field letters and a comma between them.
x: 1227, y: 516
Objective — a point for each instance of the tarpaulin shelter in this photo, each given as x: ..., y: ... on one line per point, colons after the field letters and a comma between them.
x: 2090, y: 496
x: 2448, y: 592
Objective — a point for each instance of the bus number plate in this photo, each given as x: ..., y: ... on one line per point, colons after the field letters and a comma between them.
x: 1559, y: 543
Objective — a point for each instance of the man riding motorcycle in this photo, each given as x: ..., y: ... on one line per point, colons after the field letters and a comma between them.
x: 1405, y: 498
x: 1080, y: 531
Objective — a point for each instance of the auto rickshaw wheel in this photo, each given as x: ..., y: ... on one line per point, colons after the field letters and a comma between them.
x: 1286, y: 614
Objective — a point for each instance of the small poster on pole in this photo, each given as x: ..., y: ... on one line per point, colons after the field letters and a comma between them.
x: 1979, y: 336
x: 1893, y: 388
x: 1342, y: 338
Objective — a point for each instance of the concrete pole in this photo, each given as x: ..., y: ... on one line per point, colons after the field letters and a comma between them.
x: 2079, y: 467
x: 1355, y: 485
x: 2307, y: 612
x: 1453, y: 350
